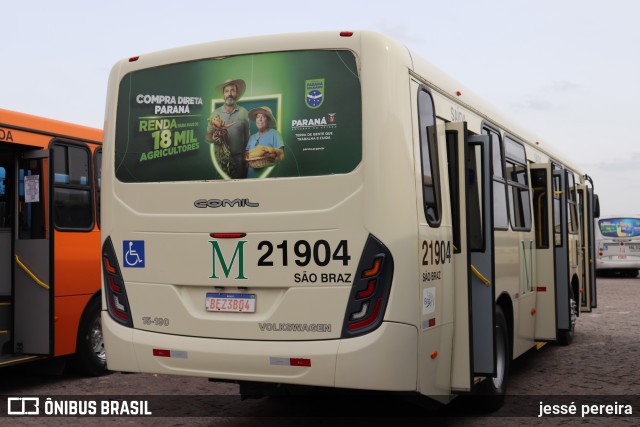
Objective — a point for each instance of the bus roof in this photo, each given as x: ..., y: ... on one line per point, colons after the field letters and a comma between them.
x: 460, y: 94
x: 45, y: 126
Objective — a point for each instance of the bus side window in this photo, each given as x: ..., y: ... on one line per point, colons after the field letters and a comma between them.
x: 572, y: 211
x: 32, y: 222
x: 557, y: 214
x: 429, y: 158
x: 454, y: 189
x: 4, y: 199
x: 73, y: 187
x: 500, y: 216
x: 475, y: 198
x: 97, y: 159
x: 517, y: 185
x: 540, y: 205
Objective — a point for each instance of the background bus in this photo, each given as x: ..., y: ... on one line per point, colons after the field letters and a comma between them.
x: 618, y: 245
x: 49, y: 241
x: 410, y: 238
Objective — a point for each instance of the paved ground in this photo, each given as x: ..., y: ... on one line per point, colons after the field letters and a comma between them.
x: 601, y: 367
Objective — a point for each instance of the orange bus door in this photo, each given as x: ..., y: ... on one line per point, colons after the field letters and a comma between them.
x: 6, y: 203
x: 33, y: 293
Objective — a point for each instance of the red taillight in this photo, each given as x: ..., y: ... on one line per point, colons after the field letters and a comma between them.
x: 134, y: 58
x: 367, y: 292
x: 114, y: 290
x: 370, y: 290
x: 369, y: 320
x: 113, y: 285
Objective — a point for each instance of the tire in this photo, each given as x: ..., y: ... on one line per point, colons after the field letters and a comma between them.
x: 565, y: 337
x: 90, y: 354
x: 489, y: 395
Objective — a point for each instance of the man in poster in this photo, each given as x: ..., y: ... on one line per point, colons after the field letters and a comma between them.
x: 228, y: 129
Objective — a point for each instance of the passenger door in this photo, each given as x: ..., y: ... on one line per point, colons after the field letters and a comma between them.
x: 33, y: 297
x: 588, y: 297
x: 552, y: 261
x: 545, y: 328
x: 561, y: 252
x: 474, y: 333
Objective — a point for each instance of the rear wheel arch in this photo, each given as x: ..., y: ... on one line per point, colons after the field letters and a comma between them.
x: 505, y: 303
x: 90, y: 354
x: 489, y: 394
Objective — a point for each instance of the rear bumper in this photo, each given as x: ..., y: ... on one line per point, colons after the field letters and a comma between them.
x: 384, y: 359
x: 618, y: 264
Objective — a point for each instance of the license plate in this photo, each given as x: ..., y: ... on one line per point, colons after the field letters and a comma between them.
x: 634, y: 248
x: 231, y: 303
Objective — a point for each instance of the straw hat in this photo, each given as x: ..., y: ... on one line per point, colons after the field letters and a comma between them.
x: 262, y: 110
x: 239, y: 83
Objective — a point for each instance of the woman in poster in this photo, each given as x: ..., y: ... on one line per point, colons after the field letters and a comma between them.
x: 265, y: 147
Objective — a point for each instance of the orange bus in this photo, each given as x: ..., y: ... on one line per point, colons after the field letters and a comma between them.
x: 50, y: 241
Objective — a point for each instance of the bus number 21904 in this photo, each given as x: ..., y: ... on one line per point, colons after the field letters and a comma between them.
x: 436, y: 252
x: 320, y: 253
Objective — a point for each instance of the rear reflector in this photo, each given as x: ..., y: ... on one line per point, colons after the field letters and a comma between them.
x: 300, y: 362
x: 290, y: 361
x: 176, y: 354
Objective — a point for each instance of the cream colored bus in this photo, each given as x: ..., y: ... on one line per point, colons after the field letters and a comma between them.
x: 330, y: 210
x: 618, y: 245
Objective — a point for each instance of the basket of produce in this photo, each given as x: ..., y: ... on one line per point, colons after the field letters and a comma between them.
x: 260, y: 157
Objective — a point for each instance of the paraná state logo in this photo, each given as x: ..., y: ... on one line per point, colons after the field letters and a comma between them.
x: 314, y: 93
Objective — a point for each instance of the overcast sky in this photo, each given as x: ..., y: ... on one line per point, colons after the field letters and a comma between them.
x: 567, y: 70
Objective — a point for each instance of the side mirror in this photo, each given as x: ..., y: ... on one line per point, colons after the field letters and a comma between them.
x: 596, y: 206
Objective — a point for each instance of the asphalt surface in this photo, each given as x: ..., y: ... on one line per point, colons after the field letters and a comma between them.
x: 598, y: 372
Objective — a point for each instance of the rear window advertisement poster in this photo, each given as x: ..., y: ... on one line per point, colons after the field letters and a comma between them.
x: 620, y: 227
x: 282, y: 114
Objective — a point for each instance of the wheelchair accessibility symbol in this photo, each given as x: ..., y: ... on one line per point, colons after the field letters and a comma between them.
x: 133, y: 251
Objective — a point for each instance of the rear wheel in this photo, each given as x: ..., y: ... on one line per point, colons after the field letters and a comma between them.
x: 565, y: 337
x: 490, y: 392
x: 91, y: 356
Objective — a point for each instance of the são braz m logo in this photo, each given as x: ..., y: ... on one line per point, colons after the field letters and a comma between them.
x: 219, y: 261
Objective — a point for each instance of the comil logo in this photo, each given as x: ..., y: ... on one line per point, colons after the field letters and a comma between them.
x: 23, y: 406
